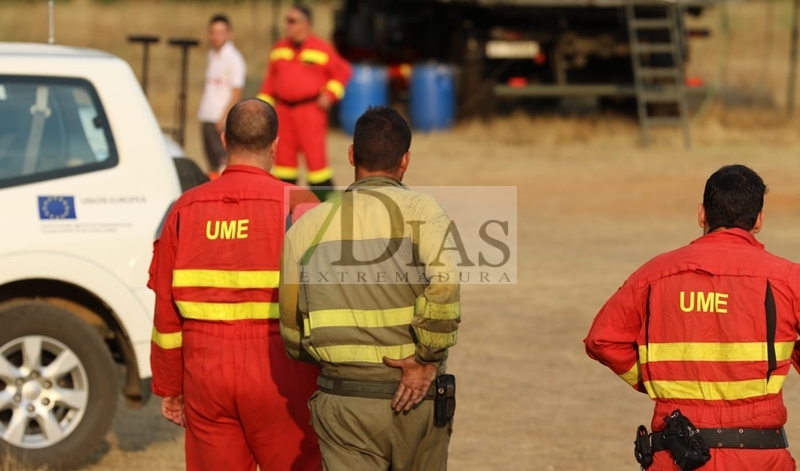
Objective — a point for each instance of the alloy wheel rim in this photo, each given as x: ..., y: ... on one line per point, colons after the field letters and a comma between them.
x: 44, y: 392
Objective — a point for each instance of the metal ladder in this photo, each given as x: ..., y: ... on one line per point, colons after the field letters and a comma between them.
x: 646, y: 77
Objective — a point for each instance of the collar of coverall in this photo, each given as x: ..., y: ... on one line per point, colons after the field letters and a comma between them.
x: 376, y: 181
x: 246, y: 169
x: 735, y: 236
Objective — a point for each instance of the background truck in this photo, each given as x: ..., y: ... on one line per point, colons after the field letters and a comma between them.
x: 520, y: 48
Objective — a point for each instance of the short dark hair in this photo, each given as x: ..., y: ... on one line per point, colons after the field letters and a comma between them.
x: 304, y: 10
x: 380, y: 139
x: 221, y: 18
x: 733, y: 197
x: 251, y: 125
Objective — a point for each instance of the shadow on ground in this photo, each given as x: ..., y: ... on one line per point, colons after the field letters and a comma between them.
x: 136, y: 429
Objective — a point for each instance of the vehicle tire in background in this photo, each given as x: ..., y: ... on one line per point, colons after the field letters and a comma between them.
x: 58, y: 387
x: 189, y: 173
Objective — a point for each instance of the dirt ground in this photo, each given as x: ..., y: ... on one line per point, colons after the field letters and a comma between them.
x: 589, y: 213
x: 592, y: 207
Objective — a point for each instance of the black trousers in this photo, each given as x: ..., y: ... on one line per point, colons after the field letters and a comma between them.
x: 215, y: 152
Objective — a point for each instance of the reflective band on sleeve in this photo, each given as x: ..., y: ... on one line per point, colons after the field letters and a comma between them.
x: 319, y: 176
x: 290, y: 335
x: 314, y: 56
x: 335, y: 87
x: 225, y: 279
x: 363, y: 353
x: 266, y: 98
x: 436, y: 340
x: 709, y: 351
x: 281, y: 53
x: 228, y: 311
x: 715, y: 390
x: 360, y: 318
x: 167, y: 341
x: 632, y: 376
x: 284, y: 173
x: 441, y: 312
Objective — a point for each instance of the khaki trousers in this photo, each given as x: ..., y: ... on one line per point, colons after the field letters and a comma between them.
x: 359, y: 434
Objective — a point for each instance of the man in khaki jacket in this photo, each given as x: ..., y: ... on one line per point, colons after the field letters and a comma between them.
x: 367, y: 296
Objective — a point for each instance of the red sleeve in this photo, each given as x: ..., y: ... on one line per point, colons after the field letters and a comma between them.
x: 796, y: 356
x: 301, y: 200
x: 166, y: 355
x: 339, y: 73
x: 794, y: 285
x: 267, y: 90
x: 612, y: 339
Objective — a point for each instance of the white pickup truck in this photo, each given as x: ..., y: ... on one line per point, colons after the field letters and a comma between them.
x: 86, y: 179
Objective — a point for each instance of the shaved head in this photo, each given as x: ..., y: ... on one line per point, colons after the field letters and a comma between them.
x: 251, y: 126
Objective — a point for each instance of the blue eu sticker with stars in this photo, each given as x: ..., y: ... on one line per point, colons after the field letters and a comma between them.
x: 57, y: 207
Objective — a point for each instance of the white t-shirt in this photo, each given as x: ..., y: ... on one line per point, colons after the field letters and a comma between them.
x: 226, y: 70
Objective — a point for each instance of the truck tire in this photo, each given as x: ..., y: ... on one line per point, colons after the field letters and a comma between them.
x: 189, y: 173
x: 58, y: 387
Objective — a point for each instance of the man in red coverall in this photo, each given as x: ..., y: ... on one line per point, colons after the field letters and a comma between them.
x: 710, y: 329
x: 217, y: 356
x: 305, y: 76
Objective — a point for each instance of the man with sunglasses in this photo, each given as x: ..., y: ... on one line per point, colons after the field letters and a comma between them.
x: 305, y: 77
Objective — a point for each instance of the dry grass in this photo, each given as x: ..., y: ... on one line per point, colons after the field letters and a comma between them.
x: 86, y: 23
x: 753, y: 71
x: 8, y: 464
x: 592, y: 207
x: 719, y: 128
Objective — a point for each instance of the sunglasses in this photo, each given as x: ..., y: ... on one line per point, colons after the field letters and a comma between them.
x: 292, y: 21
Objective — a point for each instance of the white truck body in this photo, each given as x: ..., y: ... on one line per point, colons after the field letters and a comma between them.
x: 79, y: 226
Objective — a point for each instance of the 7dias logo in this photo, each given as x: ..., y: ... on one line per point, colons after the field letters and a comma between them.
x: 391, y: 234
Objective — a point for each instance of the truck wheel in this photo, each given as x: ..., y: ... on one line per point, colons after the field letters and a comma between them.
x: 58, y: 387
x: 189, y: 173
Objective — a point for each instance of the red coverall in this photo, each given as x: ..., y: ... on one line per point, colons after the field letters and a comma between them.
x: 705, y: 350
x: 295, y: 77
x: 216, y: 338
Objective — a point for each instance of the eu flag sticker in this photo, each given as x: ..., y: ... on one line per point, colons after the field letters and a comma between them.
x: 57, y: 207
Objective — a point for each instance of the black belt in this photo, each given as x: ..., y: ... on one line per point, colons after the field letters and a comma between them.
x: 364, y: 389
x: 291, y: 104
x: 745, y: 438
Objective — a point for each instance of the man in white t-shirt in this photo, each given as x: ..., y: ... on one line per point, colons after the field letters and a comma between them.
x: 225, y: 77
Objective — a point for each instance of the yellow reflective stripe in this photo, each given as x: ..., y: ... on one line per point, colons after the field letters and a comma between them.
x: 314, y: 56
x: 440, y: 312
x: 361, y: 318
x: 228, y: 311
x: 710, y: 351
x: 306, y: 327
x: 319, y: 176
x: 436, y: 339
x: 715, y: 390
x: 290, y: 335
x: 281, y: 53
x: 775, y: 383
x: 632, y: 376
x: 266, y: 98
x: 167, y: 341
x: 287, y: 173
x: 335, y: 87
x: 363, y: 353
x: 225, y: 279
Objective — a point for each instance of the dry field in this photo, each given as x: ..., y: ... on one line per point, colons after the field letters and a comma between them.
x: 592, y: 207
x: 589, y: 214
